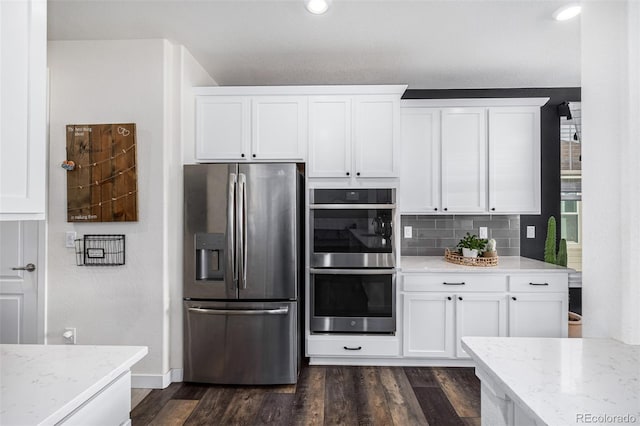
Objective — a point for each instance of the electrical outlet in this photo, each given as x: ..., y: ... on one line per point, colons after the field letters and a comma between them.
x: 531, y: 231
x: 70, y: 239
x: 69, y: 335
x: 408, y: 232
x: 483, y: 231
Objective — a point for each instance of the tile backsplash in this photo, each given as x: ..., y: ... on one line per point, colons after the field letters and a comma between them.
x: 432, y: 234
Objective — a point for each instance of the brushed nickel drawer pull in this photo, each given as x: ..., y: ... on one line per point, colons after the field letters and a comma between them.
x: 347, y: 348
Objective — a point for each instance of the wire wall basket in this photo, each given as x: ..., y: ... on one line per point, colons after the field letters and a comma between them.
x: 100, y: 250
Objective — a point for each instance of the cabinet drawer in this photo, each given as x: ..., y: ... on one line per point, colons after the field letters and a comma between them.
x: 353, y: 346
x: 455, y: 282
x: 539, y: 282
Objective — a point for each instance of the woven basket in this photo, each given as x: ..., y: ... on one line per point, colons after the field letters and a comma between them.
x: 455, y: 257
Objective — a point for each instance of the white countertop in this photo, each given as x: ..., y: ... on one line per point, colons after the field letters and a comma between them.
x: 505, y: 264
x: 555, y: 380
x: 41, y: 384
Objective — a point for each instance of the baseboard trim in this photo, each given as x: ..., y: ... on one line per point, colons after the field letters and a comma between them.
x: 156, y: 381
x: 176, y: 375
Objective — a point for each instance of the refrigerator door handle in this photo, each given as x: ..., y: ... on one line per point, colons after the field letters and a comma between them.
x: 243, y: 226
x: 208, y: 311
x: 230, y: 225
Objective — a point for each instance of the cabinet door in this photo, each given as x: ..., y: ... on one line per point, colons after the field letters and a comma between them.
x: 420, y: 159
x: 514, y: 160
x: 428, y: 325
x: 279, y: 128
x: 23, y: 114
x: 482, y: 315
x: 222, y: 127
x: 330, y: 136
x: 464, y: 160
x: 377, y: 129
x: 538, y: 315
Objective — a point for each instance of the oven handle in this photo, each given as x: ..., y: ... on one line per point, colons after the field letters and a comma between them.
x: 351, y: 206
x: 352, y: 271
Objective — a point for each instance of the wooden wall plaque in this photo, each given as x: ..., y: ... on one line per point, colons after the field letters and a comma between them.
x: 103, y: 185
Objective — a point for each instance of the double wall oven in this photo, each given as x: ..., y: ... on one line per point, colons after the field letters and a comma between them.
x: 352, y: 259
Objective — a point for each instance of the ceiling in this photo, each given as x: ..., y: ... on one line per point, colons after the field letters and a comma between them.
x: 426, y: 44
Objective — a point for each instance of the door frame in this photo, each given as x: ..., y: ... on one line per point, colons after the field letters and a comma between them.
x: 41, y: 268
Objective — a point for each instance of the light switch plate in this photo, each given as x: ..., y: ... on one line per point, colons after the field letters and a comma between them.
x: 483, y: 231
x: 70, y: 239
x: 531, y: 231
x: 408, y: 232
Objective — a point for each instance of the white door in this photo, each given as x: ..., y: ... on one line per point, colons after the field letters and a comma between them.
x: 18, y: 287
x: 376, y: 135
x: 464, y: 160
x: 483, y: 315
x: 279, y: 128
x: 538, y: 315
x: 428, y: 325
x: 330, y: 135
x: 420, y: 159
x: 514, y: 160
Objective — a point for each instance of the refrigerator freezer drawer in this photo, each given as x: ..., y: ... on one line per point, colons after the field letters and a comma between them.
x: 244, y: 343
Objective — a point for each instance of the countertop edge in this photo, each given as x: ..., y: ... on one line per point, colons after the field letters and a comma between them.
x: 510, y: 265
x: 92, y: 390
x: 508, y: 390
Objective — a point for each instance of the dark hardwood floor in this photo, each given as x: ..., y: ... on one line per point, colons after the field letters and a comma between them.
x: 325, y: 396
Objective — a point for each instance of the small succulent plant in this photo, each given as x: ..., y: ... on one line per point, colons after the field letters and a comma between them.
x: 491, y: 245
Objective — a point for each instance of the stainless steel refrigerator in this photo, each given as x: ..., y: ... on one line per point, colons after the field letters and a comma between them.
x: 242, y: 272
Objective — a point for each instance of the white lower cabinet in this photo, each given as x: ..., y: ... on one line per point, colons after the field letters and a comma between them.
x: 428, y: 325
x: 352, y: 346
x: 480, y: 315
x: 435, y: 320
x: 538, y: 315
x: 434, y: 323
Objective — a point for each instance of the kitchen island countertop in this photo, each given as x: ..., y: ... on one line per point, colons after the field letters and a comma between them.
x: 506, y: 264
x: 42, y: 384
x: 554, y: 381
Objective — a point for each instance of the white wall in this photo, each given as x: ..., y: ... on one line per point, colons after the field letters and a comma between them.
x: 147, y: 82
x: 187, y: 72
x: 611, y: 178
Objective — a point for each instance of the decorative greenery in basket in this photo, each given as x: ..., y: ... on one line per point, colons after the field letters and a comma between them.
x: 471, y: 245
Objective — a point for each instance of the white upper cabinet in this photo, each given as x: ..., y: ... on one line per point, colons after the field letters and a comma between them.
x: 279, y: 128
x: 354, y: 136
x: 514, y: 160
x: 349, y: 131
x: 420, y: 159
x: 222, y: 127
x: 330, y: 133
x: 23, y: 114
x: 464, y: 160
x: 470, y: 156
x: 377, y: 130
x: 237, y: 128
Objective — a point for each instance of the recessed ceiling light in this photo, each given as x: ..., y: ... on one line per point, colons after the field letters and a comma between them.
x: 567, y: 12
x: 317, y: 7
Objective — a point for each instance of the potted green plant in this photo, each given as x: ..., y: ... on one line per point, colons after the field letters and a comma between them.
x: 471, y: 245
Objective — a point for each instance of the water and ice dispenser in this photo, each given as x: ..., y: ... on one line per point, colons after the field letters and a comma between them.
x: 210, y: 258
